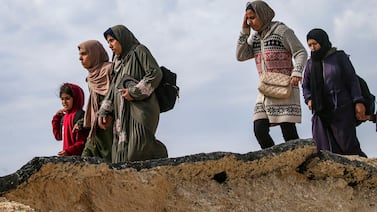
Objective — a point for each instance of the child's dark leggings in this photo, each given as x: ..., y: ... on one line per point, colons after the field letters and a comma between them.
x: 262, y: 132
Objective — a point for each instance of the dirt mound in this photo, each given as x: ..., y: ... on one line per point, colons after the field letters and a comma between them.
x: 286, y: 177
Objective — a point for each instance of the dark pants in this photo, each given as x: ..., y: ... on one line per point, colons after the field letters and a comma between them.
x: 262, y: 132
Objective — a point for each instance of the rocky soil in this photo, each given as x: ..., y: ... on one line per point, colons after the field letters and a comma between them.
x: 286, y: 177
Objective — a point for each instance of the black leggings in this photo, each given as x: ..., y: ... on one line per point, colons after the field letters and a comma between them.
x: 262, y: 132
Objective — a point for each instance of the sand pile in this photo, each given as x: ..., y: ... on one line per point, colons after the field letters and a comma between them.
x: 287, y: 177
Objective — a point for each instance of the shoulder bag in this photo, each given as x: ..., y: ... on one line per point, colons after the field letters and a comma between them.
x: 272, y: 84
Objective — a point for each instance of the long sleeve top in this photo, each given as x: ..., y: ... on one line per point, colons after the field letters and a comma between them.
x: 73, y: 142
x: 340, y: 80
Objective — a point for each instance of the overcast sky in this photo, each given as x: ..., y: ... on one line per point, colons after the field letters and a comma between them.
x: 194, y: 38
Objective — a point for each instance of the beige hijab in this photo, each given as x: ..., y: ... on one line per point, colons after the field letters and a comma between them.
x: 99, y: 79
x: 264, y: 12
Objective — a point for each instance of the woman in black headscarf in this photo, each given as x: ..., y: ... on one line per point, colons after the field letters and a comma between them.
x: 331, y: 90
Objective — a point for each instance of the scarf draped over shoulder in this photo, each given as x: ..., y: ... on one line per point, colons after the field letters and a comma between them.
x: 99, y: 78
x: 320, y: 102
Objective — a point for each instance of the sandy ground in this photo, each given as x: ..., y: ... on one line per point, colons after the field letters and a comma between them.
x: 227, y: 184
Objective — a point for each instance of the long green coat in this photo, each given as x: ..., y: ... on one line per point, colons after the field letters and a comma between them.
x: 135, y: 122
x: 101, y: 143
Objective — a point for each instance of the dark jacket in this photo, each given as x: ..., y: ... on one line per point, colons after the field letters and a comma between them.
x: 341, y: 83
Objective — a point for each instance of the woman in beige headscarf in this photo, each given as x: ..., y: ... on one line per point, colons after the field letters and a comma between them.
x: 273, y: 45
x: 95, y: 59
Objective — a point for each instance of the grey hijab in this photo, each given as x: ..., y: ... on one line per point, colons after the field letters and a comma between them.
x: 125, y: 37
x: 263, y: 11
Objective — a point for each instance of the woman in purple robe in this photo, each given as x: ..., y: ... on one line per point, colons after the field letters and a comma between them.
x: 331, y: 90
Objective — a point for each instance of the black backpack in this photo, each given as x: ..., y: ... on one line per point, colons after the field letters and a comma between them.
x: 167, y: 91
x: 369, y: 98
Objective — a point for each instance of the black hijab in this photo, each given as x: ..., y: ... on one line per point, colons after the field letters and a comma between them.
x: 320, y: 102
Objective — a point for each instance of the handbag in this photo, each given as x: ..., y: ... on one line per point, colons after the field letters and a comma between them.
x: 272, y: 84
x: 275, y: 85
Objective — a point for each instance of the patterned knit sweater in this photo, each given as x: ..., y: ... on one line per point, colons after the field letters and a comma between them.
x: 280, y: 44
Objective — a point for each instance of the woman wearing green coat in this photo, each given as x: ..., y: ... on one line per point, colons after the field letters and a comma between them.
x: 95, y: 59
x: 131, y: 105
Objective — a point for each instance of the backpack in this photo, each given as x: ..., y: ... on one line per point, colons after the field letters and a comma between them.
x: 167, y: 91
x: 369, y: 98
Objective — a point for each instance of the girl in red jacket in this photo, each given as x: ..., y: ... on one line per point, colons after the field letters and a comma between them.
x: 66, y: 121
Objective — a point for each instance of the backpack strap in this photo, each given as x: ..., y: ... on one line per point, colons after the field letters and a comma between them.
x: 339, y: 57
x: 79, y: 114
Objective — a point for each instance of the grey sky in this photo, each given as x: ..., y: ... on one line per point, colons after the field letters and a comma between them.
x: 194, y: 38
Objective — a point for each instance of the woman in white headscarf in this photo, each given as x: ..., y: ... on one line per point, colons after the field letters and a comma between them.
x: 275, y: 44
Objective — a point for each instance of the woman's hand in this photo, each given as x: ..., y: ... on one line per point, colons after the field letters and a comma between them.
x: 105, y: 121
x: 126, y: 94
x: 77, y: 127
x: 295, y: 81
x: 244, y: 24
x: 360, y: 112
x: 310, y: 104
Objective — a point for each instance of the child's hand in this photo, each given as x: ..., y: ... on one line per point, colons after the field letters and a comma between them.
x: 62, y: 153
x: 60, y: 112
